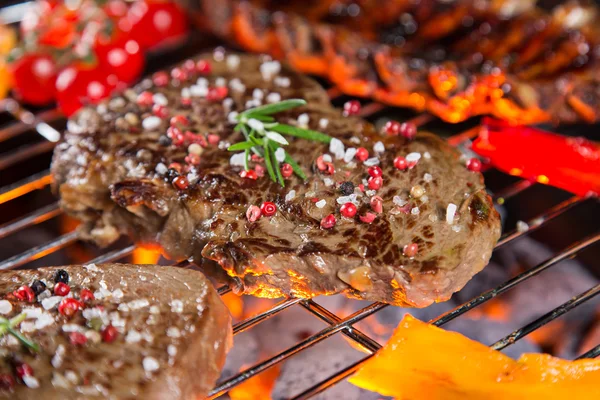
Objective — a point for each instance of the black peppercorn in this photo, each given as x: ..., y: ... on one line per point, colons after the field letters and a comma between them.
x: 347, y: 188
x: 61, y: 276
x: 164, y: 140
x: 171, y: 174
x: 38, y: 287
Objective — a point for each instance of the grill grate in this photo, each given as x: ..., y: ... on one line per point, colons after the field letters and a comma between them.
x: 26, y: 122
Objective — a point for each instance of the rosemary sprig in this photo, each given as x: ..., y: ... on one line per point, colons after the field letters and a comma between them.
x: 264, y: 136
x: 7, y: 326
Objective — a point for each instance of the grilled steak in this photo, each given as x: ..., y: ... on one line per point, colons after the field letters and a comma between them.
x: 112, y: 331
x: 455, y: 59
x: 416, y: 237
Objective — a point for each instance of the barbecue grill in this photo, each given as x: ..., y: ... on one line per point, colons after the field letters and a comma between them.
x: 37, y: 131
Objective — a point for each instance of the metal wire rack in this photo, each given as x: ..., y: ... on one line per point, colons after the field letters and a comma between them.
x: 26, y: 121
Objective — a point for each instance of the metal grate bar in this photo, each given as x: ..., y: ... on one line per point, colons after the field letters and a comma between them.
x: 485, y: 296
x: 113, y: 255
x: 25, y: 153
x: 36, y: 217
x: 255, y: 320
x: 20, y: 127
x: 318, y: 337
x: 39, y: 251
x: 327, y: 316
x: 544, y: 319
x: 512, y: 190
x: 27, y: 185
x: 593, y: 353
x: 535, y: 223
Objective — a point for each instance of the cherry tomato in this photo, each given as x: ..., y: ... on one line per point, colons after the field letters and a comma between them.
x: 122, y: 57
x: 156, y: 22
x: 60, y: 35
x: 77, y: 85
x: 34, y: 77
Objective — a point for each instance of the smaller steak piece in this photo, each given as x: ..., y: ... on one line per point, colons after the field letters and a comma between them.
x: 122, y: 332
x: 413, y: 234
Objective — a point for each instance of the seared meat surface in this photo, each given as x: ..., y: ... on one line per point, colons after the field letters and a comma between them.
x: 416, y: 238
x: 455, y: 59
x: 119, y: 332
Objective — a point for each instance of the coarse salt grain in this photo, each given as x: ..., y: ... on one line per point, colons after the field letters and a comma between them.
x: 290, y: 195
x: 195, y: 148
x: 198, y: 91
x: 280, y: 155
x: 92, y: 267
x: 150, y: 364
x: 227, y: 103
x: 321, y: 203
x: 370, y: 162
x: 232, y: 117
x: 51, y: 302
x: 44, y: 320
x: 133, y: 336
x: 177, y: 306
x: 349, y: 155
x: 456, y: 228
x: 173, y: 332
x: 160, y: 99
x: 138, y: 303
x: 258, y: 94
x: 352, y: 198
x: 233, y: 61
x: 57, y: 359
x: 450, y: 213
x: 185, y: 93
x: 31, y: 382
x: 379, y: 147
x: 413, y: 157
x: 5, y: 307
x: 236, y: 85
x: 328, y: 182
x: 117, y: 293
x: 327, y: 158
x: 427, y: 178
x: 237, y: 159
x: 323, y: 123
x: 427, y: 155
x: 337, y: 148
x: 171, y: 350
x: 415, y: 211
x: 27, y: 327
x: 282, y: 81
x: 269, y: 69
x: 220, y: 82
x: 273, y: 97
x: 151, y: 122
x: 303, y: 120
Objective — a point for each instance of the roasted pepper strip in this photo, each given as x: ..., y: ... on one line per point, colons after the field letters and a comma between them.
x: 424, y: 362
x: 572, y: 164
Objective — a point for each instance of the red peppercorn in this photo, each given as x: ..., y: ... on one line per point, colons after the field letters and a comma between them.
x: 408, y: 130
x: 181, y: 182
x: 260, y: 170
x: 176, y: 166
x: 185, y: 101
x: 23, y: 369
x: 329, y: 168
x: 192, y: 159
x: 86, y: 295
x: 203, y: 67
x: 160, y: 78
x: 69, y: 306
x: 400, y: 163
x: 367, y: 218
x: 179, y: 74
x: 145, y: 99
x: 351, y: 107
x: 179, y: 120
x: 268, y: 209
x: 392, y: 128
x: 160, y: 111
x: 189, y: 66
x: 251, y: 174
x: 256, y: 158
x: 361, y: 187
x: 253, y: 213
x: 348, y: 210
x: 411, y: 250
x: 7, y: 382
x: 214, y: 139
x: 77, y: 338
x: 109, y: 334
x: 61, y: 289
x: 474, y: 165
x: 321, y: 165
x: 25, y: 293
x: 375, y: 183
x: 375, y: 171
x: 286, y: 170
x: 377, y: 204
x: 217, y: 93
x: 361, y: 154
x: 328, y: 222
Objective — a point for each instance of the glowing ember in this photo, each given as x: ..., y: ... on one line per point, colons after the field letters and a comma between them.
x: 420, y: 355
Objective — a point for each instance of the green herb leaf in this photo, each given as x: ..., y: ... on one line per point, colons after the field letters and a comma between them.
x: 302, y: 133
x: 246, y: 155
x: 26, y: 342
x: 277, y: 169
x: 268, y: 162
x: 295, y: 166
x: 240, y: 146
x: 274, y: 108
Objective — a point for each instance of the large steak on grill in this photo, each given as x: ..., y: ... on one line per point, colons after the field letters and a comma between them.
x: 114, y: 171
